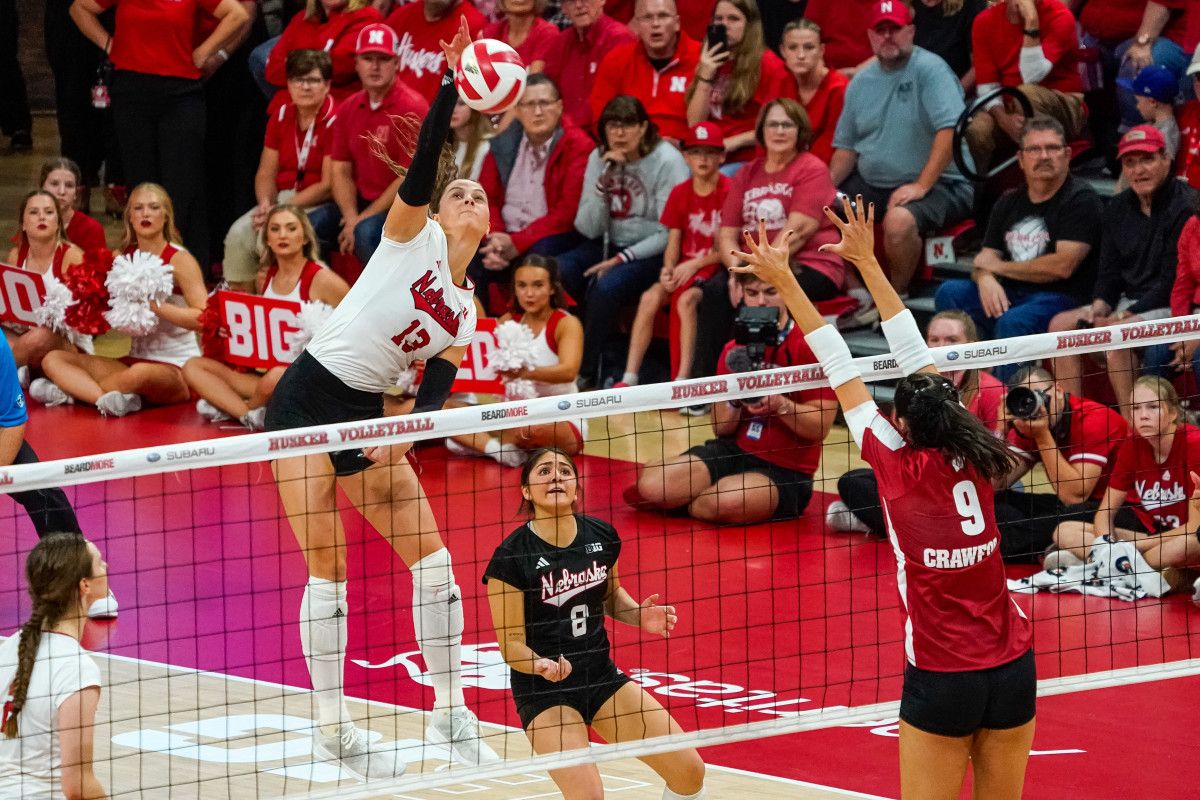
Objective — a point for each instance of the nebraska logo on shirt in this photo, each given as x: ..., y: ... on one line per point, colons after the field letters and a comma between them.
x: 419, y: 61
x: 1158, y: 495
x: 557, y: 590
x: 432, y: 302
x: 626, y: 195
x: 703, y: 224
x: 1027, y: 239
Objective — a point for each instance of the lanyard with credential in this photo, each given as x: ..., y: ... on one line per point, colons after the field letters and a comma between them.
x: 302, y: 150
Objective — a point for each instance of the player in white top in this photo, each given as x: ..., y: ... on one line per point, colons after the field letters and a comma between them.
x: 411, y: 302
x: 51, y: 685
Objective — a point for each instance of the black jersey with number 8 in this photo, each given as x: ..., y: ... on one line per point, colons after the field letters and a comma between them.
x: 564, y: 587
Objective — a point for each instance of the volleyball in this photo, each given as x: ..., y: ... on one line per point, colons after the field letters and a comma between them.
x: 490, y: 76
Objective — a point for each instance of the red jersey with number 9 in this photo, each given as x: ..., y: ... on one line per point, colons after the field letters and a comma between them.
x: 958, y: 615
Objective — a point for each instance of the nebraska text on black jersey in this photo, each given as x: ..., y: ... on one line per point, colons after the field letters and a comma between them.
x: 558, y: 588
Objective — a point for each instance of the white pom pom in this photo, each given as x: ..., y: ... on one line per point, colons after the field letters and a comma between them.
x: 53, y: 312
x: 519, y: 389
x: 514, y: 347
x: 134, y: 282
x: 135, y: 319
x: 406, y: 379
x: 312, y: 317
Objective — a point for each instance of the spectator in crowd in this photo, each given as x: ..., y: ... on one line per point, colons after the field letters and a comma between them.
x: 53, y: 684
x: 292, y: 166
x: 893, y: 141
x: 472, y: 132
x: 289, y: 271
x: 787, y: 188
x: 1167, y: 32
x: 539, y: 303
x: 943, y: 27
x: 523, y: 29
x: 1187, y: 161
x: 1030, y: 45
x: 655, y: 69
x: 363, y: 186
x: 1138, y: 250
x: 1148, y: 493
x: 819, y: 89
x: 766, y: 450
x: 732, y: 82
x: 574, y: 55
x: 1154, y: 91
x: 421, y: 25
x: 15, y: 120
x: 844, y: 24
x: 41, y: 247
x: 692, y: 218
x: 331, y: 26
x: 693, y: 14
x: 857, y: 508
x: 153, y: 370
x: 542, y: 159
x: 1165, y: 359
x: 61, y: 177
x: 1037, y: 257
x: 157, y: 98
x: 625, y: 188
x: 1075, y: 440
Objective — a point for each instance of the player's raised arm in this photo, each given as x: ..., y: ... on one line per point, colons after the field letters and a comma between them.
x: 410, y: 209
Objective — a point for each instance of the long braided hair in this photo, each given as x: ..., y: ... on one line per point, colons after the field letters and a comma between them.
x: 53, y: 571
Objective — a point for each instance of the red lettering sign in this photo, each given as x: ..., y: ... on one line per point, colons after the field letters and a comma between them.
x: 21, y: 293
x: 259, y: 329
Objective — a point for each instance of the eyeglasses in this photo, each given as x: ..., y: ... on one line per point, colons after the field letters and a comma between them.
x: 620, y: 125
x: 780, y: 125
x: 1044, y: 150
x: 308, y: 82
x: 538, y: 105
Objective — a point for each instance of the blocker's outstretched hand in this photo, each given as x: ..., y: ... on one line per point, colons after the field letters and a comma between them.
x: 767, y: 261
x: 454, y: 48
x: 858, y: 231
x: 657, y: 619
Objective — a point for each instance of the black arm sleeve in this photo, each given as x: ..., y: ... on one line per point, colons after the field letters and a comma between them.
x: 417, y: 188
x: 435, y: 384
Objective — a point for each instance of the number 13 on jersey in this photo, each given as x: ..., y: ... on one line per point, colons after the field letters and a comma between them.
x: 419, y: 337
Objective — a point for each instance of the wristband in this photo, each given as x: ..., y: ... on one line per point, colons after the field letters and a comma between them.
x: 1033, y: 33
x: 830, y: 349
x: 908, y: 348
x: 221, y: 54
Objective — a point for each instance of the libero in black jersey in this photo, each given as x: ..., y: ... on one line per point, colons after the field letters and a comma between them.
x: 551, y: 584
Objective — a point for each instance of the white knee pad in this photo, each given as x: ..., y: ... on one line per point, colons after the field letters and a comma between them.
x: 669, y: 795
x: 437, y: 600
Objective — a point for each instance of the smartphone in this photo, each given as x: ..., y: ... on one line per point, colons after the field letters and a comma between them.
x: 717, y: 36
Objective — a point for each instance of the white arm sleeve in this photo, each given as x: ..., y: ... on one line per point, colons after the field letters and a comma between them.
x: 858, y: 419
x: 1034, y: 64
x: 909, y: 348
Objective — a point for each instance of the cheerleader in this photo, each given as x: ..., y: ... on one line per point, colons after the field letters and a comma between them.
x: 411, y: 302
x: 41, y: 247
x: 970, y: 687
x: 153, y: 370
x: 61, y: 177
x: 539, y: 302
x: 563, y: 678
x: 289, y: 271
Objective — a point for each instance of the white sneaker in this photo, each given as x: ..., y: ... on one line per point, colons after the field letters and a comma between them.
x: 838, y: 517
x: 508, y: 455
x: 1196, y: 592
x: 1059, y: 558
x: 48, y: 393
x: 118, y: 404
x: 351, y: 746
x: 211, y: 412
x: 104, y: 608
x: 23, y: 376
x: 459, y: 728
x: 255, y: 419
x: 458, y: 448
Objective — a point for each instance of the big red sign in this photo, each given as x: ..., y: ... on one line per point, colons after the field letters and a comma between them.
x: 259, y: 329
x: 21, y: 293
x: 475, y: 373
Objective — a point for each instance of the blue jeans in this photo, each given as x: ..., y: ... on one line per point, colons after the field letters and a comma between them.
x: 604, y: 299
x: 1165, y: 54
x: 1156, y: 360
x: 258, y: 67
x: 1028, y: 312
x: 327, y: 223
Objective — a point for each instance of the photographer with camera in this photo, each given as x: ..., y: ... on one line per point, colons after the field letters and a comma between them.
x: 761, y: 463
x: 1074, y: 439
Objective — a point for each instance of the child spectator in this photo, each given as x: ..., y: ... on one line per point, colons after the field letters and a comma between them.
x: 1154, y: 90
x: 692, y: 217
x: 819, y: 89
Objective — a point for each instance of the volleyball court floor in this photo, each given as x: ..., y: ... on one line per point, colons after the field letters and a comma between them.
x: 204, y: 672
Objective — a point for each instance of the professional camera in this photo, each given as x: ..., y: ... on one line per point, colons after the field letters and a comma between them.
x: 756, y: 328
x: 1025, y: 403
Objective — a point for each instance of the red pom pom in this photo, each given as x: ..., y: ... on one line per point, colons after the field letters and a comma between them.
x: 86, y: 282
x: 212, y: 333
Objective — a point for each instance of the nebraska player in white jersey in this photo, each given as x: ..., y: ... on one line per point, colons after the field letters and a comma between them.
x: 969, y: 684
x: 411, y: 302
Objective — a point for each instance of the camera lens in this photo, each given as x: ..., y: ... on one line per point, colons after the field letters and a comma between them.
x: 1022, y: 402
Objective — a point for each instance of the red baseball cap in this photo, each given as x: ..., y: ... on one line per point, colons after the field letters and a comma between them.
x: 1141, y: 139
x: 896, y: 12
x: 377, y: 38
x: 706, y: 134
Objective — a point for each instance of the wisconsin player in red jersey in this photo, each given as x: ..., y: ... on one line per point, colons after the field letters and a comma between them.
x: 1147, y: 498
x: 411, y: 302
x: 969, y: 685
x: 551, y: 584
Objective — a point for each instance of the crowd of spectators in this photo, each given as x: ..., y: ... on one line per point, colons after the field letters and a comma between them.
x: 650, y: 134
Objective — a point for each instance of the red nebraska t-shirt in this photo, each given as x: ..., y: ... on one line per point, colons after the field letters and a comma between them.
x: 1158, y: 493
x: 285, y: 137
x: 422, y: 61
x: 996, y: 45
x: 536, y: 43
x: 768, y: 437
x: 355, y: 123
x: 823, y: 109
x: 698, y: 217
x: 157, y: 38
x: 774, y: 81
